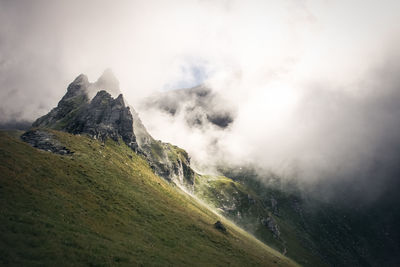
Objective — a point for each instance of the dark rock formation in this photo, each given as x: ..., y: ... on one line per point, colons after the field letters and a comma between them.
x: 103, y: 117
x: 170, y: 162
x: 45, y: 141
x: 66, y: 110
x: 89, y: 108
x: 218, y: 225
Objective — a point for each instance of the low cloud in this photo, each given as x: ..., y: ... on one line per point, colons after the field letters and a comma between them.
x: 313, y: 85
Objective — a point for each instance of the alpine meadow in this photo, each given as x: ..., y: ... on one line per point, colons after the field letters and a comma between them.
x: 199, y: 133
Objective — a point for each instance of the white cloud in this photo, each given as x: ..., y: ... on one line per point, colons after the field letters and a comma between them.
x: 300, y: 73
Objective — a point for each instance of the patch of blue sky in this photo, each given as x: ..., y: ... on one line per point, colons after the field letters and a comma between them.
x: 191, y: 75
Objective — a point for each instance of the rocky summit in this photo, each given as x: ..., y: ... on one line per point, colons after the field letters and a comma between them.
x: 105, y: 117
x: 102, y: 117
x: 90, y: 108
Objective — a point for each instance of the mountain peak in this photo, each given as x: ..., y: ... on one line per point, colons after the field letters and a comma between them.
x: 120, y: 100
x: 107, y: 81
x: 78, y: 87
x: 102, y: 117
x: 94, y: 109
x: 81, y: 79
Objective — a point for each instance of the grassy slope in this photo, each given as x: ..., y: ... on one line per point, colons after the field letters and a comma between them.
x: 314, y: 233
x: 104, y: 206
x: 247, y: 211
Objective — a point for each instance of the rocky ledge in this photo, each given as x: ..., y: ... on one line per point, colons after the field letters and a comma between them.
x: 45, y: 141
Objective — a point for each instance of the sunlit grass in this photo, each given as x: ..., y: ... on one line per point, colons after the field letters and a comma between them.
x: 104, y: 206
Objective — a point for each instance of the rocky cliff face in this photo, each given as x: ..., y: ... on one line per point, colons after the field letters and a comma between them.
x: 105, y: 117
x: 68, y: 107
x: 89, y: 108
x: 45, y: 141
x: 171, y: 163
x: 102, y: 117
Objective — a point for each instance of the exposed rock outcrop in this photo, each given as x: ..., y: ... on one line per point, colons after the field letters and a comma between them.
x: 105, y: 117
x: 68, y: 107
x: 170, y: 162
x: 45, y: 141
x: 218, y: 225
x: 90, y: 108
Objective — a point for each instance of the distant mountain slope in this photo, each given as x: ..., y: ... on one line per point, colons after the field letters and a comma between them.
x: 102, y: 205
x: 306, y: 229
x: 200, y: 106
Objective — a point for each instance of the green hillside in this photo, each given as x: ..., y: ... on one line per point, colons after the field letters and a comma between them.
x: 248, y: 209
x: 309, y: 231
x: 104, y: 206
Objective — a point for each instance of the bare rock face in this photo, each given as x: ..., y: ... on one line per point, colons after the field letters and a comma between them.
x: 218, y: 225
x: 75, y: 98
x: 170, y: 162
x: 90, y: 108
x: 103, y: 117
x: 45, y: 141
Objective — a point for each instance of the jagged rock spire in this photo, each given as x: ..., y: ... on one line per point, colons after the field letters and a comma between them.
x: 102, y: 117
x: 82, y: 78
x: 78, y: 87
x: 105, y: 117
x: 108, y: 82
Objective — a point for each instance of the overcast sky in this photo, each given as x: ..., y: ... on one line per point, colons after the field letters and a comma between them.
x: 315, y: 83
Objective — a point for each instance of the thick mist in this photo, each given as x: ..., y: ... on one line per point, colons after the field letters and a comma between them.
x: 313, y: 86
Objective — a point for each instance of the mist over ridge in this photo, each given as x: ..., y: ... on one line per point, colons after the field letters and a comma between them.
x: 312, y: 87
